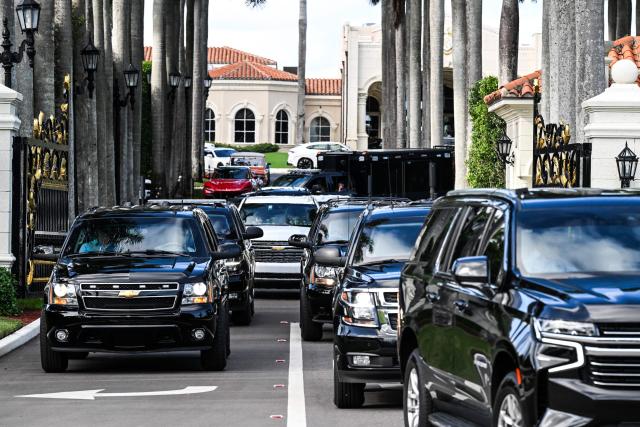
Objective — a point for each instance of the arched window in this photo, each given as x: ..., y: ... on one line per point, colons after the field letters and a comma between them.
x: 282, y: 127
x: 245, y: 126
x: 320, y: 130
x: 209, y: 125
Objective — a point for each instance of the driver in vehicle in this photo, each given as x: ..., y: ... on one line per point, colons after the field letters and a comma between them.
x: 100, y: 243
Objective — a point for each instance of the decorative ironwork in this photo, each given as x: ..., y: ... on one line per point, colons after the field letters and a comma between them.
x: 556, y: 161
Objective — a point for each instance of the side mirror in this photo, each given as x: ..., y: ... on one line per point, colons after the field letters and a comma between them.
x: 227, y: 251
x: 329, y: 256
x: 472, y: 270
x: 299, y: 241
x: 252, y: 233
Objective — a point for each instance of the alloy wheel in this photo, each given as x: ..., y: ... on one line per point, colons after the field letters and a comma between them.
x: 305, y: 163
x: 510, y: 412
x: 413, y: 398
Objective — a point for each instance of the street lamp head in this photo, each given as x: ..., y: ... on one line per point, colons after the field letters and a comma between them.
x: 503, y: 147
x: 174, y: 79
x: 207, y: 82
x: 90, y: 55
x: 148, y: 76
x: 627, y: 163
x: 28, y: 15
x: 187, y: 82
x: 131, y: 77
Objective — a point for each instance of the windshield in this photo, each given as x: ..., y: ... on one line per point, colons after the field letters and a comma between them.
x: 291, y: 181
x: 278, y: 214
x: 231, y: 174
x: 135, y: 234
x: 224, y: 152
x: 337, y: 226
x: 247, y: 161
x: 223, y: 226
x: 387, y: 239
x: 579, y: 240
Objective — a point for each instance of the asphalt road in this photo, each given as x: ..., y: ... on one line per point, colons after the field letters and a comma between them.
x: 258, y: 383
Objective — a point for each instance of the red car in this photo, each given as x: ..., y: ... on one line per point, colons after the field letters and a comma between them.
x: 229, y: 181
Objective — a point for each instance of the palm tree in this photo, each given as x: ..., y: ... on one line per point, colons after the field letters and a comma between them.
x: 137, y: 56
x: 436, y: 30
x: 508, y: 41
x: 172, y: 26
x: 566, y: 75
x: 545, y: 56
x: 43, y: 67
x: 180, y: 129
x: 23, y: 84
x: 104, y: 174
x: 460, y: 106
x: 159, y: 95
x: 186, y: 174
x: 474, y: 51
x: 199, y: 61
x: 302, y: 70
x: 401, y: 74
x: 389, y: 89
x: 414, y: 12
x: 612, y: 11
x: 623, y: 18
x: 121, y: 59
x: 425, y: 142
x: 109, y: 139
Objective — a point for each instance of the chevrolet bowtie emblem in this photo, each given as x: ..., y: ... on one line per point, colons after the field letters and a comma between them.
x: 278, y: 248
x: 128, y: 294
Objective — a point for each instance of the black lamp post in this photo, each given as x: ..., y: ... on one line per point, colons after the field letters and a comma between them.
x: 503, y: 147
x: 131, y: 78
x: 174, y: 83
x: 187, y: 82
x: 148, y: 77
x: 90, y: 55
x: 207, y: 84
x: 28, y: 16
x: 627, y: 163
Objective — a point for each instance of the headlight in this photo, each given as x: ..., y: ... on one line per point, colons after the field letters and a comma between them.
x: 196, y: 293
x: 233, y: 265
x: 555, y: 352
x: 359, y: 308
x: 324, y: 276
x: 64, y: 294
x: 563, y: 327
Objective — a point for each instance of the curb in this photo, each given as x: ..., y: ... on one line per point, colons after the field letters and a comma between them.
x: 19, y: 337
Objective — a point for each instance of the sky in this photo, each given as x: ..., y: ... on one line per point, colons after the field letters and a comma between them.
x: 272, y: 30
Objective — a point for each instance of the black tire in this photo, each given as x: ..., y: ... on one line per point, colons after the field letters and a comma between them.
x: 309, y: 330
x: 51, y: 361
x: 422, y: 399
x: 243, y: 316
x: 508, y: 389
x: 215, y: 359
x: 347, y: 395
x: 305, y: 163
x: 79, y: 355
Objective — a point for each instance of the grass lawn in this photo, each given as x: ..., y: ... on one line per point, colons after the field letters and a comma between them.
x: 8, y: 326
x: 278, y: 160
x: 30, y: 304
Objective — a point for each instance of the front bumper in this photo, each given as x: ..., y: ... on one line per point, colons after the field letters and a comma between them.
x: 573, y: 400
x: 224, y: 194
x: 381, y: 348
x: 239, y: 290
x: 320, y: 301
x: 269, y: 272
x: 128, y: 332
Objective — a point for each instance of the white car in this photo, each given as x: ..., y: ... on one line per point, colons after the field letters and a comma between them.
x: 306, y: 156
x: 216, y: 157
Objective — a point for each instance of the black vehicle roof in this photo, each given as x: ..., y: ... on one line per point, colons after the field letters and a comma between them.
x: 406, y: 210
x: 166, y: 211
x: 279, y: 191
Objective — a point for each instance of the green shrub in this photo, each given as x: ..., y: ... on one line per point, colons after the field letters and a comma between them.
x: 254, y: 148
x: 8, y: 303
x: 484, y: 169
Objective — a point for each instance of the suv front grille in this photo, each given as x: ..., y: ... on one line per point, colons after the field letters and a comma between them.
x: 126, y: 304
x: 276, y: 251
x: 129, y: 297
x: 613, y: 360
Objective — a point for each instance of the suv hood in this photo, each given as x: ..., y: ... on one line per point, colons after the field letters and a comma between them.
x: 281, y: 233
x: 375, y: 276
x: 592, y: 298
x: 131, y: 268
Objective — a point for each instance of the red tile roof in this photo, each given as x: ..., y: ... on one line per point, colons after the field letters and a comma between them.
x: 626, y: 48
x: 247, y: 70
x: 324, y: 86
x: 224, y: 55
x: 519, y: 88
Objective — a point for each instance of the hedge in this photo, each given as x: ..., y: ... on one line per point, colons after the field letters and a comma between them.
x: 254, y: 148
x: 8, y: 303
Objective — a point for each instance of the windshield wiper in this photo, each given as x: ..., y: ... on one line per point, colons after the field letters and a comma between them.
x: 382, y: 261
x: 155, y: 252
x: 94, y: 254
x: 335, y: 242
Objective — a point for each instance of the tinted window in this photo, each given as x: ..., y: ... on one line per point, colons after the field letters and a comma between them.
x: 386, y: 239
x: 231, y: 174
x: 278, y: 214
x: 493, y: 244
x: 581, y: 239
x: 136, y: 234
x: 224, y: 152
x: 470, y: 235
x: 290, y: 181
x: 336, y: 227
x: 436, y: 229
x: 317, y: 184
x: 223, y: 226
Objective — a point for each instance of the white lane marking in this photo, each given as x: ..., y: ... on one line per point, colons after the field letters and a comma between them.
x: 92, y: 394
x: 296, y: 411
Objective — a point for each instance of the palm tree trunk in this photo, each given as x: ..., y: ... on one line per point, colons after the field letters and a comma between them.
x: 109, y: 139
x: 436, y: 31
x: 637, y: 18
x: 24, y: 84
x: 389, y: 92
x: 414, y: 13
x: 545, y: 103
x: 612, y: 11
x: 187, y: 168
x: 93, y: 183
x: 589, y: 76
x: 401, y: 72
x: 425, y: 141
x: 172, y: 28
x: 508, y: 41
x: 460, y: 108
x: 101, y: 98
x: 158, y: 97
x: 197, y: 98
x: 566, y: 74
x: 121, y: 58
x: 180, y: 128
x: 204, y: 16
x: 137, y: 55
x: 302, y: 71
x: 623, y: 18
x: 474, y: 49
x: 44, y: 65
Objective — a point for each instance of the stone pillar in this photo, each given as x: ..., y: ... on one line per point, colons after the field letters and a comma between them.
x: 518, y: 115
x: 9, y: 126
x: 613, y: 120
x: 363, y: 138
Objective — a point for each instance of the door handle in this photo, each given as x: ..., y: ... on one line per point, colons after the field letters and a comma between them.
x: 461, y: 305
x: 433, y: 296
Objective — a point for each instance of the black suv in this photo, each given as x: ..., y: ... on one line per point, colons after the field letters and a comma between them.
x: 314, y: 180
x: 365, y: 306
x: 138, y: 279
x: 332, y: 227
x: 229, y: 228
x: 521, y: 308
